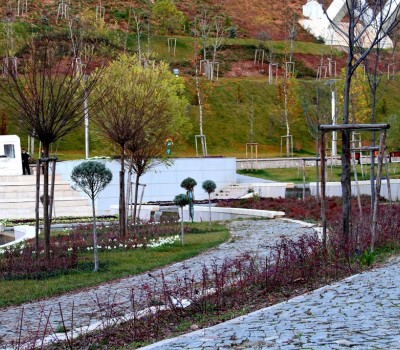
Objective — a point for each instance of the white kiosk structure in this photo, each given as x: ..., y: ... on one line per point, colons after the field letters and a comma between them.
x: 10, y: 155
x: 321, y: 27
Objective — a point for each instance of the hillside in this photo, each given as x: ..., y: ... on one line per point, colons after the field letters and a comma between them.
x: 241, y: 91
x: 250, y: 16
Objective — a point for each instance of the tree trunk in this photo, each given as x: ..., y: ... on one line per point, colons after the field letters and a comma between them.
x: 346, y: 187
x: 345, y: 158
x: 317, y: 168
x: 148, y: 37
x: 286, y: 97
x: 53, y: 180
x: 129, y: 193
x: 136, y: 197
x: 373, y: 138
x: 46, y: 218
x: 138, y: 35
x: 37, y: 208
x: 182, y: 230
x: 209, y: 206
x: 378, y: 189
x: 95, y: 252
x: 122, y: 208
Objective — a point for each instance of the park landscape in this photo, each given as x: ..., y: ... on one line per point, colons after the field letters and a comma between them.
x: 146, y: 83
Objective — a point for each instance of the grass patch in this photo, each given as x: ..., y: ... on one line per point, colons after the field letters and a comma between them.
x: 114, y: 265
x: 295, y: 175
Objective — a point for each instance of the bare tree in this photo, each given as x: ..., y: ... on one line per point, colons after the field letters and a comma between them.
x: 204, y: 26
x: 369, y: 24
x: 142, y: 160
x: 316, y: 110
x: 373, y: 70
x: 291, y: 22
x: 48, y: 99
x: 218, y: 35
x: 141, y: 20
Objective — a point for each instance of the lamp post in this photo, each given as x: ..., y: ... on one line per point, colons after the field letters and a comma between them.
x: 332, y: 85
x: 86, y: 113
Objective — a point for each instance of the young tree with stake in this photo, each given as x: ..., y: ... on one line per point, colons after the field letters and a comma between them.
x: 181, y: 200
x: 92, y: 177
x: 209, y: 186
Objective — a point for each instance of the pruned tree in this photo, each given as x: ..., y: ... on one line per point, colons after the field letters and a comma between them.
x: 141, y: 101
x: 189, y: 184
x: 92, y: 178
x: 209, y: 186
x: 48, y: 100
x: 369, y: 23
x: 181, y: 200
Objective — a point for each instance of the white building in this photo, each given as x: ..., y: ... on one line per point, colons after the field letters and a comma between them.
x: 10, y: 155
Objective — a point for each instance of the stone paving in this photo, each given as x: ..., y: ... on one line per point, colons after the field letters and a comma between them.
x: 249, y: 236
x: 361, y: 312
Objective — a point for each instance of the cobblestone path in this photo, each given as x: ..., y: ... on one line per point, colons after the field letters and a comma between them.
x: 248, y: 236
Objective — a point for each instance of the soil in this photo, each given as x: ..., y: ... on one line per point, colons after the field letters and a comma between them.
x: 246, y: 69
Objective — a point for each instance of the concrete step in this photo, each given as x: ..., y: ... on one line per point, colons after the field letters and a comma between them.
x: 31, y: 188
x: 21, y: 195
x: 57, y: 212
x: 18, y: 198
x: 24, y: 179
x: 30, y: 203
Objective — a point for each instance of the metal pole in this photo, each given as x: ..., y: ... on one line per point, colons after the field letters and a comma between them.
x: 304, y: 180
x: 86, y: 123
x: 334, y: 133
x: 323, y: 193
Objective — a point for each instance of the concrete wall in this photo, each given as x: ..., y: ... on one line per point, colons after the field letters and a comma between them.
x: 202, y: 213
x: 334, y: 189
x: 162, y: 182
x: 272, y: 163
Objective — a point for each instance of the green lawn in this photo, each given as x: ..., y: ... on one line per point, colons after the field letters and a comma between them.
x: 295, y: 175
x: 113, y: 265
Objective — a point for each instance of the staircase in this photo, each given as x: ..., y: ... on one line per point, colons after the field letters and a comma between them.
x: 18, y: 198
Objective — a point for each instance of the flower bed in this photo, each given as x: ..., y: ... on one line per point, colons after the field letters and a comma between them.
x: 22, y: 261
x: 309, y: 209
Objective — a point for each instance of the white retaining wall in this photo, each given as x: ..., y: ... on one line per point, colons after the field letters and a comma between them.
x: 201, y: 213
x: 334, y: 189
x: 162, y: 182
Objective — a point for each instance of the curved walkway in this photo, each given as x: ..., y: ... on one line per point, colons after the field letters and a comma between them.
x: 361, y: 312
x: 91, y: 306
